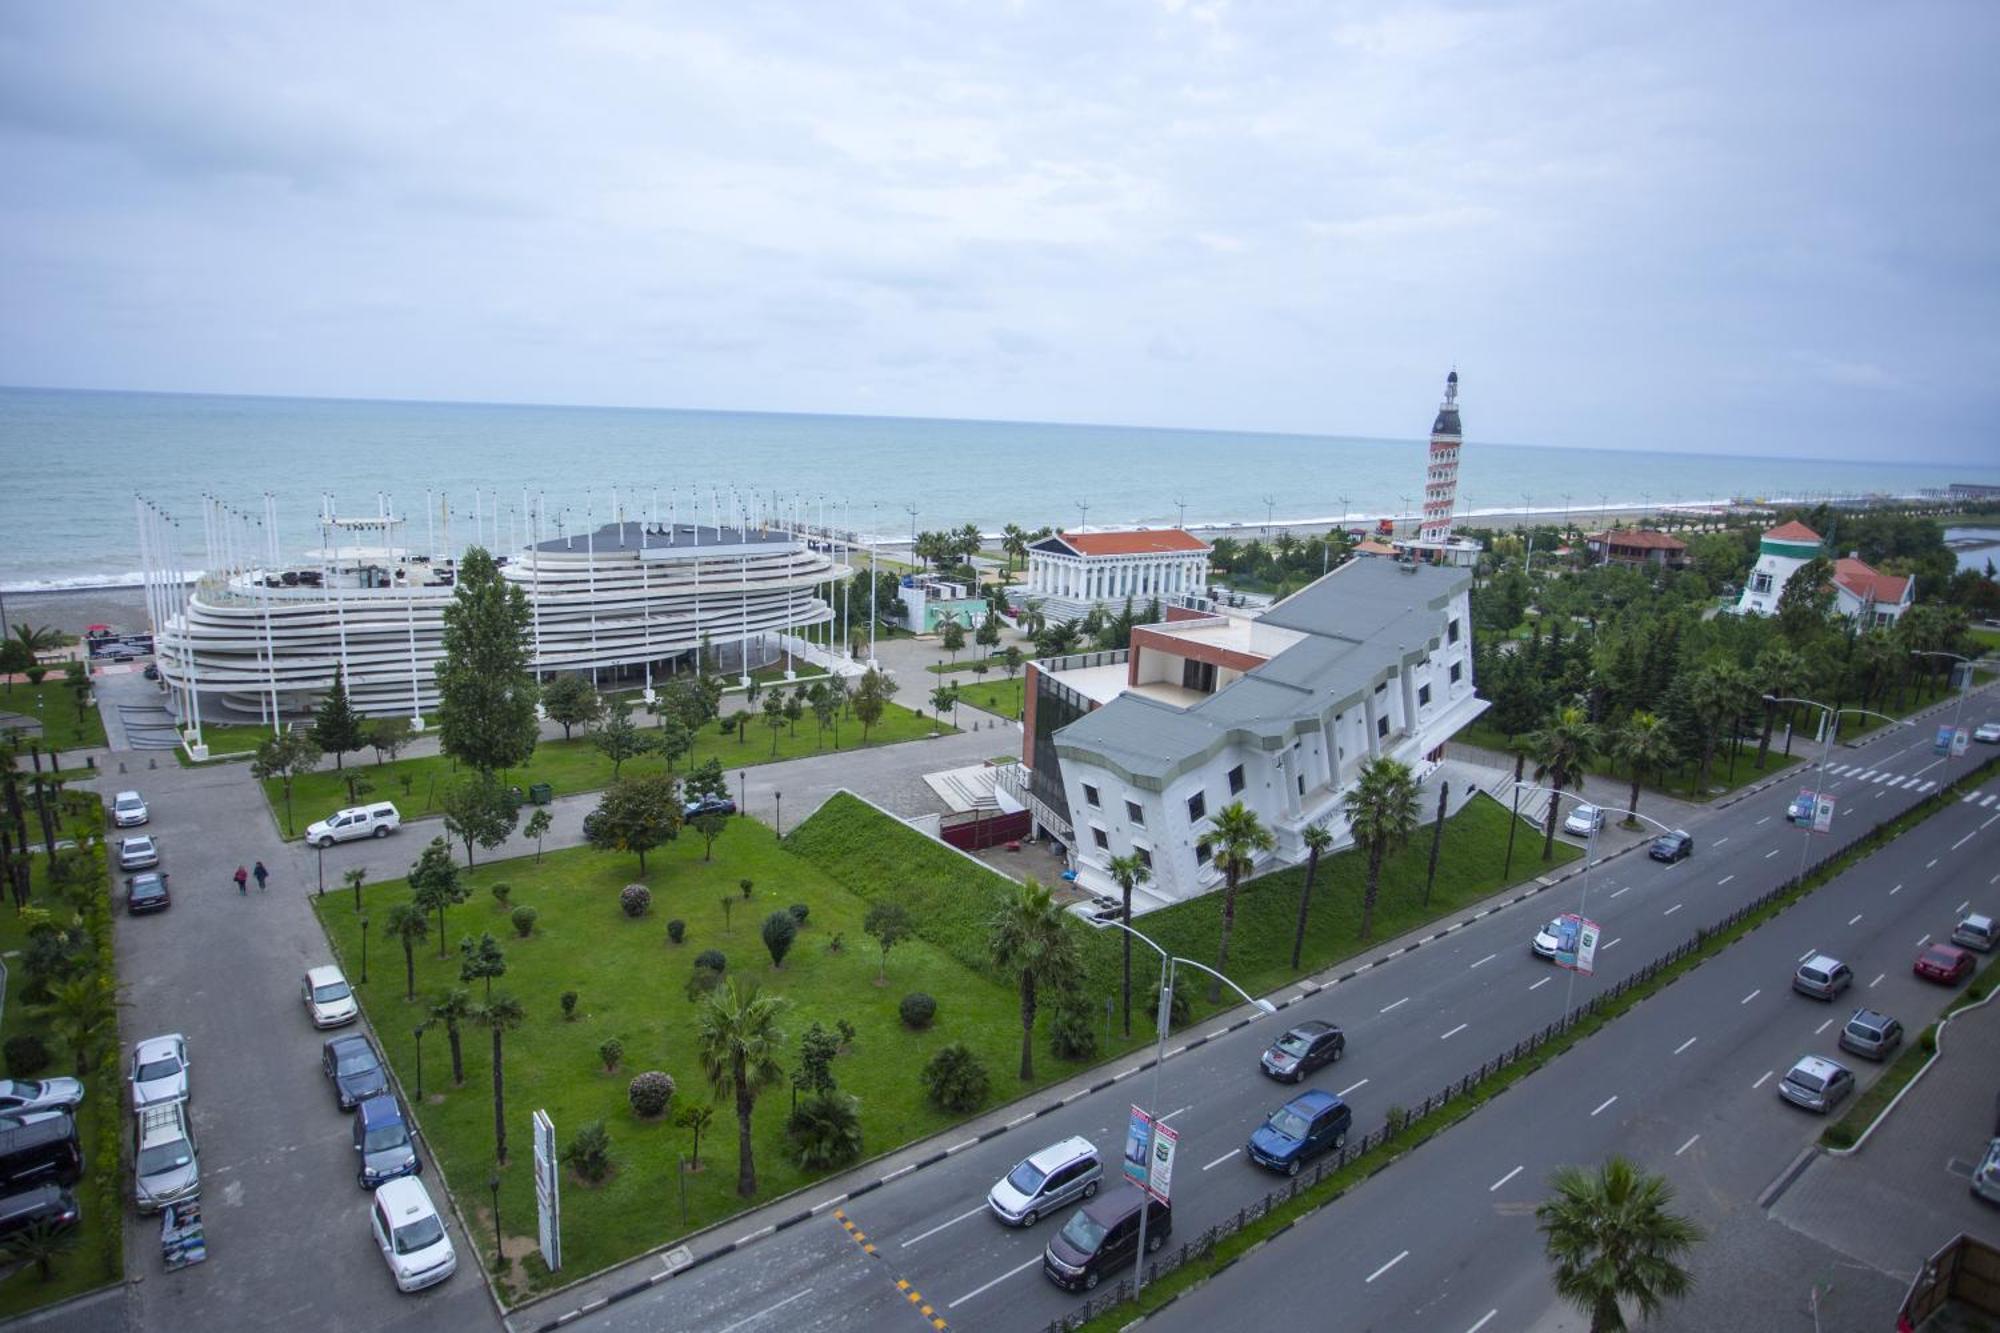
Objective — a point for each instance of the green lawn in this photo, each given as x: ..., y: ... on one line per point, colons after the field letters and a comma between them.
x: 573, y: 766
x: 630, y: 982
x: 994, y: 663
x: 61, y: 728
x: 996, y: 694
x: 1988, y: 640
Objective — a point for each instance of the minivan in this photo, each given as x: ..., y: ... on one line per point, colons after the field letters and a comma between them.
x: 1103, y: 1236
x: 1975, y: 932
x: 1059, y: 1174
x: 45, y: 1205
x: 361, y: 821
x: 39, y: 1151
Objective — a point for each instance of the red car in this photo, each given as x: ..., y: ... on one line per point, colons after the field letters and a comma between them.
x: 1944, y: 962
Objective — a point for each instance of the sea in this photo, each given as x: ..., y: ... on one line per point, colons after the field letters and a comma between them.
x: 73, y: 463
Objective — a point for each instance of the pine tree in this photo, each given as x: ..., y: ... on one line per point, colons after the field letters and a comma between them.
x: 336, y: 727
x: 486, y: 692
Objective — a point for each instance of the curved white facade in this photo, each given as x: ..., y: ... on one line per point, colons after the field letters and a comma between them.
x: 622, y: 597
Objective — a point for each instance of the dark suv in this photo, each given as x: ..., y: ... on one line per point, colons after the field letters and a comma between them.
x: 1671, y: 847
x: 1103, y: 1236
x: 45, y: 1205
x: 1304, y: 1049
x: 1303, y: 1128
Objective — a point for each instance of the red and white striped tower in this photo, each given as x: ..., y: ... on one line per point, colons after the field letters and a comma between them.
x: 1441, y: 481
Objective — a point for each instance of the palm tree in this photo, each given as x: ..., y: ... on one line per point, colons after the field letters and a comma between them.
x: 79, y: 1011
x: 1563, y: 750
x: 451, y: 1009
x: 500, y: 1015
x: 1780, y: 671
x: 1014, y: 541
x: 1029, y: 936
x: 1128, y: 871
x: 1647, y: 745
x: 739, y: 1044
x: 35, y: 639
x: 1317, y: 840
x: 41, y: 1244
x: 1612, y: 1239
x: 408, y: 924
x: 1381, y: 811
x: 1238, y: 835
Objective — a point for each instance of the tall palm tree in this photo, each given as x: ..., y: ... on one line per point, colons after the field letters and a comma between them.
x: 1611, y: 1238
x: 1317, y: 840
x: 499, y: 1015
x: 1014, y: 541
x: 1238, y: 836
x: 1128, y: 872
x: 409, y: 925
x: 739, y: 1044
x: 1029, y: 936
x: 1563, y: 750
x: 1381, y: 810
x: 1780, y: 671
x: 1647, y: 745
x: 450, y: 1009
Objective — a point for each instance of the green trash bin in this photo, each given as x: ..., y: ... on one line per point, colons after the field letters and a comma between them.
x: 541, y: 793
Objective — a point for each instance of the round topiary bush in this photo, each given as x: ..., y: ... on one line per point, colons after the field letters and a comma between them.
x: 955, y: 1078
x: 26, y: 1056
x: 800, y: 912
x: 569, y: 1006
x: 636, y: 899
x: 524, y: 921
x: 917, y: 1010
x: 500, y: 892
x: 712, y: 959
x: 611, y: 1052
x: 649, y: 1093
x: 677, y: 930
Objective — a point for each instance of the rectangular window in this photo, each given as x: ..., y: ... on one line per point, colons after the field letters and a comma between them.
x: 1135, y: 814
x: 1451, y: 631
x: 1454, y: 673
x: 1236, y: 780
x: 1197, y: 807
x: 1097, y: 836
x: 1381, y: 727
x: 1090, y: 794
x: 1302, y: 784
x: 1202, y: 853
x: 1383, y: 686
x: 1145, y: 856
x: 1423, y: 695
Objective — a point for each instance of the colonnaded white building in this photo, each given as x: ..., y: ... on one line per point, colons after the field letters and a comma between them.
x: 1072, y: 572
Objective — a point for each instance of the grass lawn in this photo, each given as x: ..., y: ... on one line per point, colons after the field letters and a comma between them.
x: 994, y: 663
x: 996, y: 694
x: 573, y: 766
x: 1987, y: 639
x: 630, y: 981
x: 61, y: 728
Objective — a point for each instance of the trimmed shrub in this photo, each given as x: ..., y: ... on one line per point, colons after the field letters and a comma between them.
x: 955, y: 1079
x: 611, y: 1052
x: 1072, y: 1036
x: 779, y: 932
x: 746, y: 886
x: 712, y: 959
x: 27, y: 1055
x: 636, y: 899
x: 825, y: 1132
x: 846, y: 1031
x: 677, y: 930
x: 500, y: 893
x: 800, y: 912
x: 524, y: 921
x: 917, y: 1010
x: 569, y: 1006
x: 837, y: 943
x: 589, y: 1152
x: 649, y: 1093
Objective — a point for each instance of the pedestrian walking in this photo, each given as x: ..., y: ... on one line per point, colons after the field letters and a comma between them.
x: 242, y: 878
x: 262, y: 875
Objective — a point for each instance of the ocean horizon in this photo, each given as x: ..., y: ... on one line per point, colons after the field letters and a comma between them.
x: 76, y: 460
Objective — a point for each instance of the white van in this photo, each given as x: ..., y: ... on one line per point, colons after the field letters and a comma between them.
x: 361, y: 821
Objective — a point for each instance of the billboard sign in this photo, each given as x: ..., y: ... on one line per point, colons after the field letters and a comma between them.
x: 1149, y: 1154
x: 1160, y: 1181
x: 1138, y: 1146
x: 1823, y: 813
x: 1586, y: 945
x: 1567, y: 927
x: 548, y: 1191
x: 1945, y: 736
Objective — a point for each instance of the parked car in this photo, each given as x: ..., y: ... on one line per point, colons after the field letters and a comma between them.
x: 166, y: 1167
x: 355, y: 1070
x: 41, y: 1149
x: 1304, y: 1049
x: 147, y: 893
x: 1986, y: 1176
x: 1058, y: 1175
x: 137, y: 853
x: 152, y: 671
x: 160, y: 1070
x: 1816, y: 1083
x: 1822, y: 977
x: 1672, y: 847
x: 1975, y: 932
x: 42, y: 1206
x: 378, y: 820
x: 328, y: 998
x: 1103, y: 1236
x: 1946, y: 963
x: 1303, y: 1128
x: 1584, y: 821
x: 708, y: 805
x: 20, y: 1096
x: 382, y: 1141
x: 1557, y: 937
x: 411, y: 1235
x: 128, y: 810
x: 1988, y: 733
x: 1871, y: 1033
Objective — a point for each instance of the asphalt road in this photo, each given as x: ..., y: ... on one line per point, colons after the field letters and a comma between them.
x: 1685, y: 1083
x: 1423, y: 1020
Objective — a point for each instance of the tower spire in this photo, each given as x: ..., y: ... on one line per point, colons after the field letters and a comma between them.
x: 1441, y: 479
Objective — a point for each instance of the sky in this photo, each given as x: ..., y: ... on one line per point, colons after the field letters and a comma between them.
x: 1765, y: 228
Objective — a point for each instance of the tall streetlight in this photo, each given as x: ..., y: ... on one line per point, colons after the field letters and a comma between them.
x: 1270, y: 512
x: 1168, y: 963
x: 1964, y: 681
x: 1829, y: 726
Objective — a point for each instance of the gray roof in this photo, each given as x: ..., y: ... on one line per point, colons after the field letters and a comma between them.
x: 643, y: 536
x: 1362, y: 623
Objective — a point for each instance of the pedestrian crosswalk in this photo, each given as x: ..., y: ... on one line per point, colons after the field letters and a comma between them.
x: 1860, y: 773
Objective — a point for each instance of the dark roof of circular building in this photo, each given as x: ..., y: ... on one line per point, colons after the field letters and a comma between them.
x: 1446, y: 423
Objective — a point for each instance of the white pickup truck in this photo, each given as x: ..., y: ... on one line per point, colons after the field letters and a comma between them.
x: 362, y: 821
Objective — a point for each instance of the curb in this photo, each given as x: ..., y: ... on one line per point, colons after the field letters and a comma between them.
x: 1915, y: 1078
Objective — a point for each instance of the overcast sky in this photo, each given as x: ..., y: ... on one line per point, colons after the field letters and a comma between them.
x: 1766, y: 227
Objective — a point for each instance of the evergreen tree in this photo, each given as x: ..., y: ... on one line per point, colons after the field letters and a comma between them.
x: 486, y: 693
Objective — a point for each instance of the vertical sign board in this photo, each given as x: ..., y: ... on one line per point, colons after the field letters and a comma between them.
x: 1822, y: 813
x: 1959, y: 741
x: 1568, y: 927
x: 1138, y: 1146
x: 1944, y: 740
x: 1586, y: 946
x: 548, y: 1186
x: 1160, y: 1181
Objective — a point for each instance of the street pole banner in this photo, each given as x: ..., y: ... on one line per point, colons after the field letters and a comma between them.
x: 1945, y: 738
x: 1586, y: 945
x: 548, y: 1191
x: 1138, y: 1146
x: 1160, y: 1182
x: 1568, y: 926
x: 1959, y: 741
x: 1822, y: 813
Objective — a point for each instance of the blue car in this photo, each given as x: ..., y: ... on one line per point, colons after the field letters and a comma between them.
x: 382, y: 1142
x: 1303, y: 1128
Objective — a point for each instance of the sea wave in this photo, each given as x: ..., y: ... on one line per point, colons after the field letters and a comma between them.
x: 83, y: 583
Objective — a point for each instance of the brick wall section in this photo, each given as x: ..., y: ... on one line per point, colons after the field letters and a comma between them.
x: 1174, y: 644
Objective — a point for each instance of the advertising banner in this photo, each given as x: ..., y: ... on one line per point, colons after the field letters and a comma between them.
x: 1822, y: 813
x: 1944, y: 740
x: 1586, y: 946
x: 548, y: 1191
x: 1567, y: 927
x: 1138, y: 1146
x: 1161, y: 1182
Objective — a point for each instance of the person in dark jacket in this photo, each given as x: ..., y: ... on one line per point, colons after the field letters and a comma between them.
x: 261, y: 874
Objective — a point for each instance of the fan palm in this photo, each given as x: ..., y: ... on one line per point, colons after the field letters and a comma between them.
x: 739, y: 1044
x: 499, y: 1015
x: 1645, y: 743
x: 1779, y: 672
x: 80, y: 1011
x: 1317, y: 840
x: 451, y: 1009
x: 1381, y: 811
x: 1239, y: 836
x: 1563, y: 750
x: 1029, y: 937
x: 409, y: 925
x: 1611, y: 1238
x: 1128, y: 872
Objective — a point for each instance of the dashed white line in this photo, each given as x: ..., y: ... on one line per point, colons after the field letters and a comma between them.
x: 1856, y: 917
x: 1671, y: 910
x: 994, y: 1283
x: 1923, y: 939
x: 1484, y: 1320
x: 1751, y: 996
x: 1387, y: 1007
x: 1455, y: 1031
x: 1765, y: 820
x: 1719, y: 841
x: 1823, y: 1027
x: 1605, y: 1105
x: 1893, y: 892
x: 1685, y: 1146
x: 1684, y: 1045
x: 1773, y: 852
x: 1616, y: 892
x: 1810, y: 952
x: 1878, y: 981
x: 1504, y: 1179
x: 1724, y: 880
x: 1350, y: 1088
x: 1371, y: 1277
x: 795, y: 1296
x: 1608, y: 945
x: 1543, y: 982
x: 1931, y: 864
x: 1482, y: 962
x: 1962, y: 906
x: 926, y: 1235
x: 1220, y: 1160
x: 1762, y: 1081
x: 1171, y: 1114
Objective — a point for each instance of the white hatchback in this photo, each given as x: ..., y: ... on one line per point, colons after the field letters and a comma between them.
x: 411, y: 1235
x: 160, y: 1070
x: 328, y: 998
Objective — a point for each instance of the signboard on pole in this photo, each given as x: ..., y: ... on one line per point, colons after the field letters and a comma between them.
x: 1149, y: 1154
x: 1944, y: 740
x: 1822, y: 813
x: 1160, y: 1181
x: 548, y: 1191
x: 1586, y: 946
x: 1567, y: 927
x: 1138, y: 1146
x: 1960, y: 740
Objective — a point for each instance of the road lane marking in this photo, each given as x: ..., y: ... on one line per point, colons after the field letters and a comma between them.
x: 1455, y: 1031
x: 1543, y: 982
x: 1856, y: 917
x: 1384, y: 1268
x: 1671, y: 910
x: 1724, y: 880
x: 1171, y: 1114
x: 769, y: 1309
x: 1751, y: 996
x: 1482, y: 962
x: 1626, y: 889
x: 1931, y: 864
x: 1810, y: 952
x: 1504, y: 1179
x: 1484, y: 1320
x: 1893, y: 892
x: 1220, y: 1160
x: 1684, y: 1045
x: 1878, y: 981
x: 970, y: 1212
x: 1765, y: 820
x: 1349, y: 1088
x: 1614, y: 941
x: 1928, y: 784
x: 1605, y: 1105
x: 1962, y: 906
x: 1387, y: 1007
x: 1823, y: 1027
x: 1773, y: 852
x: 978, y: 1291
x: 1719, y: 841
x: 1685, y: 1146
x: 1923, y: 939
x: 1762, y: 1081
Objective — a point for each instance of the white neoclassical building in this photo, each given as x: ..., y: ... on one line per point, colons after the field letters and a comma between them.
x: 1071, y: 572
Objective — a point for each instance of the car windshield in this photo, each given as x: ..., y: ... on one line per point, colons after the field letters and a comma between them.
x: 1083, y: 1234
x: 1287, y: 1122
x: 162, y: 1068
x: 419, y: 1235
x: 1861, y: 1029
x: 333, y: 990
x: 145, y: 883
x: 128, y: 803
x: 1025, y: 1178
x: 355, y: 1060
x: 1806, y: 1079
x: 385, y: 1137
x: 1293, y: 1043
x: 164, y: 1157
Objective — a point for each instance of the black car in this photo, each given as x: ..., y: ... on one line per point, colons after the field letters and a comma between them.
x: 49, y: 1206
x: 1304, y: 1049
x: 708, y: 805
x: 1671, y: 847
x: 146, y: 893
x: 356, y: 1070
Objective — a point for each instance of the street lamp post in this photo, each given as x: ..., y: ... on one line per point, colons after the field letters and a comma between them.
x: 320, y: 853
x: 499, y: 1237
x: 364, y: 950
x: 418, y: 1033
x: 779, y: 797
x: 1163, y: 1021
x: 1829, y: 726
x: 1964, y: 681
x: 742, y: 790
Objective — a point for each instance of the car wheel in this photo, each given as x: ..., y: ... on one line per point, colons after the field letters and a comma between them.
x: 1154, y: 1240
x: 1090, y: 1190
x: 1339, y: 1051
x: 324, y: 843
x: 381, y: 830
x: 1292, y: 1167
x: 1340, y: 1141
x: 1030, y: 1217
x: 1090, y: 1280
